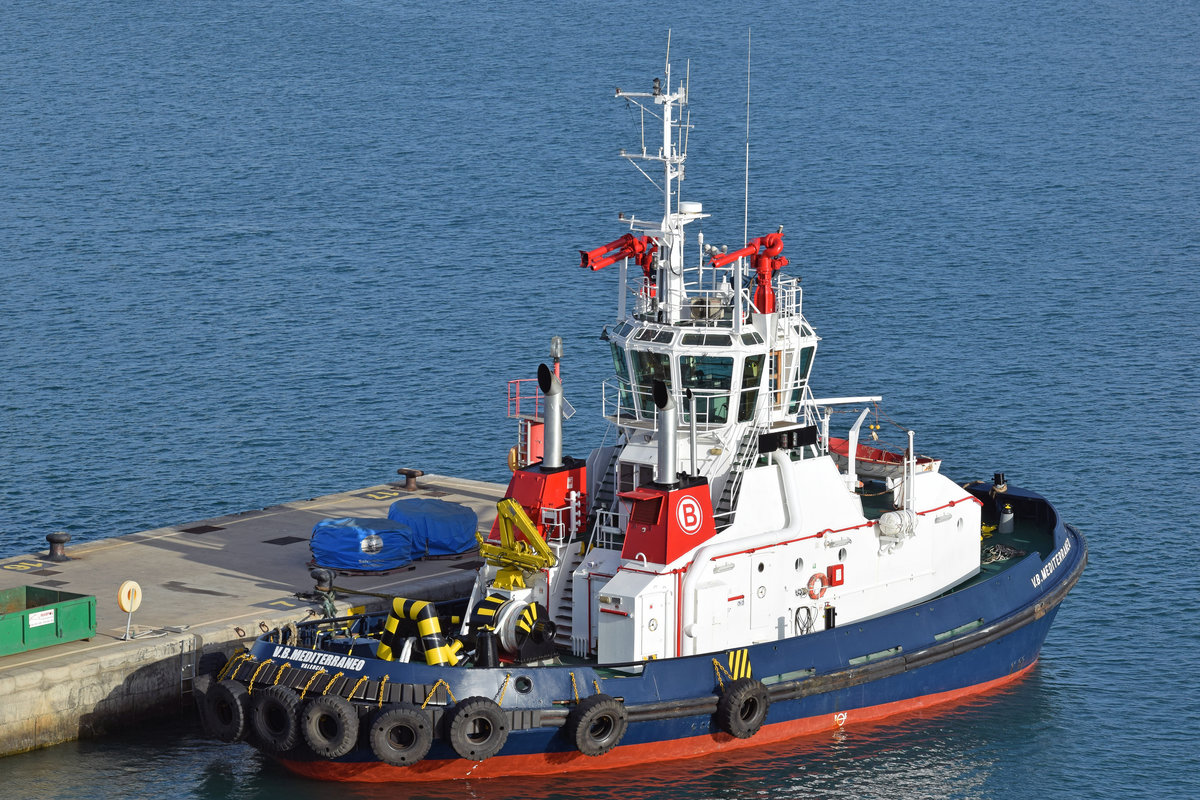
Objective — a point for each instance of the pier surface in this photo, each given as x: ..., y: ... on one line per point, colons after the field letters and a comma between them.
x: 209, y: 587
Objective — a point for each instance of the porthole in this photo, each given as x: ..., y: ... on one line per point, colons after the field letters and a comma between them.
x: 842, y: 554
x: 799, y: 565
x: 522, y: 684
x: 959, y: 524
x: 761, y: 566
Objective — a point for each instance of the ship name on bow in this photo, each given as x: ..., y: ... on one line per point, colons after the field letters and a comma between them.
x: 317, y: 658
x: 1051, y: 565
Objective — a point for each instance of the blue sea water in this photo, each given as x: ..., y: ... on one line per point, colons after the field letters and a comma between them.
x: 251, y: 253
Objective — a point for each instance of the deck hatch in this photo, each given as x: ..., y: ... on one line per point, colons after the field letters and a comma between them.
x: 202, y: 529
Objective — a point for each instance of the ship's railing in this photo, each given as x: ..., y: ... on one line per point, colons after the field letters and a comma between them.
x: 557, y: 524
x: 709, y: 297
x: 626, y: 404
x: 618, y: 401
x: 607, y: 533
x: 789, y: 297
x: 708, y: 308
x: 525, y: 400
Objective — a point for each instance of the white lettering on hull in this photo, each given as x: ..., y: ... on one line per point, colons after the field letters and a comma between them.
x: 1048, y: 568
x: 315, y: 658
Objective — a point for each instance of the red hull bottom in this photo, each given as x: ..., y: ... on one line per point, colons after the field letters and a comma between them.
x: 628, y: 755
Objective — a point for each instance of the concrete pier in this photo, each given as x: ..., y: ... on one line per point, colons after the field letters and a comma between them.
x: 209, y: 588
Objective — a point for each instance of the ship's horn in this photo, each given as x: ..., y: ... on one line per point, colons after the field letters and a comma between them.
x: 552, y: 432
x: 668, y: 423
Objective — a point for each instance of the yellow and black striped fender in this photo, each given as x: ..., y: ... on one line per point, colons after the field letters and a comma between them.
x: 439, y: 649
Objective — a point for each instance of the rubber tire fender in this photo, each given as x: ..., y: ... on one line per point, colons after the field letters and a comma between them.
x: 400, y: 734
x: 275, y: 718
x: 596, y: 725
x: 227, y: 711
x: 476, y: 728
x: 742, y: 709
x: 330, y: 726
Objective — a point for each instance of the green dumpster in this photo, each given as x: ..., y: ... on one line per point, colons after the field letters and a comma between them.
x: 31, y: 617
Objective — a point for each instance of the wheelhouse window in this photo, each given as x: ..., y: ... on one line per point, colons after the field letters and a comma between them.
x: 626, y: 388
x: 752, y: 370
x: 802, y: 369
x: 709, y: 378
x: 649, y: 367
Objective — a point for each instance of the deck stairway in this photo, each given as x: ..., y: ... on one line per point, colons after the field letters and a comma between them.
x: 746, y: 456
x: 606, y: 492
x: 562, y: 609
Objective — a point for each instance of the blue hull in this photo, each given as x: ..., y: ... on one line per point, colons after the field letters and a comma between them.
x: 973, y: 638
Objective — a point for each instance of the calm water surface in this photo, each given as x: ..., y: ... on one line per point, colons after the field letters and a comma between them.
x: 256, y: 253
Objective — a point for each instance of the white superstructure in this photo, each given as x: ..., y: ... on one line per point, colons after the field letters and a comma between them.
x: 719, y: 519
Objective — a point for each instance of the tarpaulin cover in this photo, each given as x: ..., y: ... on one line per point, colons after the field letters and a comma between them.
x: 438, y: 528
x: 362, y: 544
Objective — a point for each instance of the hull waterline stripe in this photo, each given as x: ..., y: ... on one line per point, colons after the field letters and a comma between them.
x: 628, y: 755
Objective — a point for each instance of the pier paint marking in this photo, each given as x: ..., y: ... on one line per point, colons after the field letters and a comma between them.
x: 381, y: 494
x: 26, y: 565
x: 283, y: 602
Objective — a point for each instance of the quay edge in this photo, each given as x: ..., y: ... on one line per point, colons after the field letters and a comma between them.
x: 88, y: 689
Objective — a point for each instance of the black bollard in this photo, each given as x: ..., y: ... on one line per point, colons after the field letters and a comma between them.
x: 58, y: 542
x: 410, y: 478
x: 486, y: 654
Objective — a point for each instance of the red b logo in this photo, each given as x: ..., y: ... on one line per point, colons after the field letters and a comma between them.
x: 689, y: 514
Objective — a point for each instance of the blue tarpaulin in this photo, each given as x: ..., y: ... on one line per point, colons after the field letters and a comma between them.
x: 362, y: 544
x: 438, y: 528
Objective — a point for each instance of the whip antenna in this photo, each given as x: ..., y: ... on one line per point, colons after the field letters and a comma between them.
x: 746, y: 215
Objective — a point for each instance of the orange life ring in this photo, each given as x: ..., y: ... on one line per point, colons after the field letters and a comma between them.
x: 817, y: 580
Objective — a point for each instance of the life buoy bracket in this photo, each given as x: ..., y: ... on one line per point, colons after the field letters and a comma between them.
x: 817, y: 585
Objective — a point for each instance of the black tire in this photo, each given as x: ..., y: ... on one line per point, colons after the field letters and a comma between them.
x: 401, y: 735
x: 742, y: 709
x: 476, y: 728
x: 596, y: 725
x: 330, y: 726
x: 275, y: 718
x: 226, y: 711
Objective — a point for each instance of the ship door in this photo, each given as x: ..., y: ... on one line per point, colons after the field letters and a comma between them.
x: 652, y: 624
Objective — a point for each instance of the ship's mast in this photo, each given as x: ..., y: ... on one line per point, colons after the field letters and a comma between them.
x: 671, y: 155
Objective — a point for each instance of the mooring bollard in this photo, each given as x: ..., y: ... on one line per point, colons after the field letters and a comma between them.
x: 58, y: 543
x: 410, y: 478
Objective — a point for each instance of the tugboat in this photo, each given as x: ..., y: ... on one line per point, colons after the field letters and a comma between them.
x: 723, y: 572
